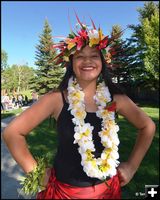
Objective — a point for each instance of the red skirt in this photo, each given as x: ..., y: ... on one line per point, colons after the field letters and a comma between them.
x: 57, y: 190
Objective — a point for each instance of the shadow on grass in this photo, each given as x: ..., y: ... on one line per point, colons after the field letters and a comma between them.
x: 147, y: 104
x: 43, y: 140
x: 148, y: 172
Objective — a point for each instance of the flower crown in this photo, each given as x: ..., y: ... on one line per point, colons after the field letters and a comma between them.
x: 86, y: 36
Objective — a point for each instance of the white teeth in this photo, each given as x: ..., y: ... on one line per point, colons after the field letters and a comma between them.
x: 88, y: 68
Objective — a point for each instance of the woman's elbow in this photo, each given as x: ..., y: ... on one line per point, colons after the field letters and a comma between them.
x: 5, y: 135
x: 152, y: 128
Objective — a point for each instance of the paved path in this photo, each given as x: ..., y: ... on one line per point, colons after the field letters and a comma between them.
x: 10, y: 171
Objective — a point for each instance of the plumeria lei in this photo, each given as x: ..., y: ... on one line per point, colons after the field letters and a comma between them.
x: 105, y: 165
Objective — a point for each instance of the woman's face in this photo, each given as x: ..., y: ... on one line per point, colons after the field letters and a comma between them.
x: 87, y: 64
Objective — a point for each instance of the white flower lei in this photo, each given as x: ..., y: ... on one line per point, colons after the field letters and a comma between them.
x: 105, y: 165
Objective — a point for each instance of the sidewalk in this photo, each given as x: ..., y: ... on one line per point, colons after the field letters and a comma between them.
x: 10, y: 171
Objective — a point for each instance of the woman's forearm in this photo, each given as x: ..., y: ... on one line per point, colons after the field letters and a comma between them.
x: 18, y: 148
x: 143, y: 142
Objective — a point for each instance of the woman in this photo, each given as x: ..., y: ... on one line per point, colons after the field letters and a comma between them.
x: 86, y: 165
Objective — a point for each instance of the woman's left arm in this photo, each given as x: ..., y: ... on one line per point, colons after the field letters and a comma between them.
x: 146, y: 130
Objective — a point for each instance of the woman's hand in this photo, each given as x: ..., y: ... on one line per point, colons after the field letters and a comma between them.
x: 125, y: 173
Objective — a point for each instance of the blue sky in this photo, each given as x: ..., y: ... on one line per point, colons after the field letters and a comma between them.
x: 22, y: 22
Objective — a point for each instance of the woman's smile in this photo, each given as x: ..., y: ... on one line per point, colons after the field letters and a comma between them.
x: 87, y: 68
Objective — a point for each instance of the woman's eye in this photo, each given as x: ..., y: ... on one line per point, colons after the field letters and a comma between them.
x: 79, y: 57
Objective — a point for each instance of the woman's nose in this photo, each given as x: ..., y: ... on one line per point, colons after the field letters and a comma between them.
x: 87, y: 59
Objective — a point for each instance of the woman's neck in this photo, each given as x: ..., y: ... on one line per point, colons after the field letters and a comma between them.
x: 88, y: 87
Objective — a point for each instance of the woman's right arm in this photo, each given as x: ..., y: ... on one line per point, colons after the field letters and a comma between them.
x: 14, y: 134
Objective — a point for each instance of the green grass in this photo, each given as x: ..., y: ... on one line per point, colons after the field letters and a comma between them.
x: 148, y: 172
x: 6, y: 114
x: 43, y: 139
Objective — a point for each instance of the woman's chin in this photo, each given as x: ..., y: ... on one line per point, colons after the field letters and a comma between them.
x: 88, y: 78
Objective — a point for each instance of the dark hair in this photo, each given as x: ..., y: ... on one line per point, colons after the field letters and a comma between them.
x: 114, y: 88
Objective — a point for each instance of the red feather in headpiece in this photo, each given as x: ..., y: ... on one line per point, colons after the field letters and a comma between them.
x: 78, y: 19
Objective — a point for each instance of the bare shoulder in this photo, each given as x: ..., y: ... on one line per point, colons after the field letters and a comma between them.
x: 51, y: 102
x: 121, y: 100
x: 50, y: 97
x: 55, y: 102
x: 124, y: 104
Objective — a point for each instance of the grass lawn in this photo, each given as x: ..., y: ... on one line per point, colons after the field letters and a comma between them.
x: 148, y: 172
x: 10, y: 113
x: 43, y: 139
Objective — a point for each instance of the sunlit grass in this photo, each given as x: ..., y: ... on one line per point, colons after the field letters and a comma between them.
x: 9, y: 113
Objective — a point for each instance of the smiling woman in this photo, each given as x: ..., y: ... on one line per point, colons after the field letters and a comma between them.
x: 86, y: 164
x: 87, y: 64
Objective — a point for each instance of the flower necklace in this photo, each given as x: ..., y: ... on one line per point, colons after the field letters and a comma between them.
x: 105, y: 165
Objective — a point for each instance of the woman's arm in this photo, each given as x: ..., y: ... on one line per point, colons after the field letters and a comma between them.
x: 14, y: 134
x: 146, y: 130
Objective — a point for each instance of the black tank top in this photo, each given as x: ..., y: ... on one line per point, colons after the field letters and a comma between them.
x: 67, y: 162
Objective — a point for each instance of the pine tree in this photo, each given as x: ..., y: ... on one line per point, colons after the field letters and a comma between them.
x: 121, y: 70
x: 146, y: 42
x: 48, y: 75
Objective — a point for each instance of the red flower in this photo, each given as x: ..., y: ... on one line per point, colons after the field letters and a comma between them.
x: 79, y: 42
x: 111, y: 107
x: 83, y: 34
x: 103, y: 43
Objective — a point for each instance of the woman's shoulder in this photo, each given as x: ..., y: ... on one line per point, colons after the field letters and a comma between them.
x: 120, y: 97
x: 48, y: 104
x: 121, y: 100
x: 49, y: 100
x: 51, y: 96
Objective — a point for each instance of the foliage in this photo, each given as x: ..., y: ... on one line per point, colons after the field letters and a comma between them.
x: 17, y: 77
x: 48, y: 75
x: 33, y: 180
x: 122, y: 68
x: 146, y: 46
x: 4, y: 59
x: 151, y: 38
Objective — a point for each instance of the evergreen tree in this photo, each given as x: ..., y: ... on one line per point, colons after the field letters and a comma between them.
x: 146, y: 46
x: 4, y: 59
x: 48, y: 75
x: 121, y: 70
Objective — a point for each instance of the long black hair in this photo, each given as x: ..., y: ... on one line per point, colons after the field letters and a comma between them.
x: 114, y: 88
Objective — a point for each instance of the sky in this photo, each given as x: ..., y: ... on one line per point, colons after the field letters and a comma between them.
x: 22, y: 22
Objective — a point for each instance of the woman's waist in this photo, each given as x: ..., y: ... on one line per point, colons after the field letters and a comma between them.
x: 79, y: 182
x: 88, y: 182
x: 75, y: 176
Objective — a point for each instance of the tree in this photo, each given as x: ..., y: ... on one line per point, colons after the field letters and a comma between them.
x: 48, y: 75
x: 16, y: 78
x: 150, y: 30
x: 146, y: 40
x: 122, y: 63
x: 4, y: 59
